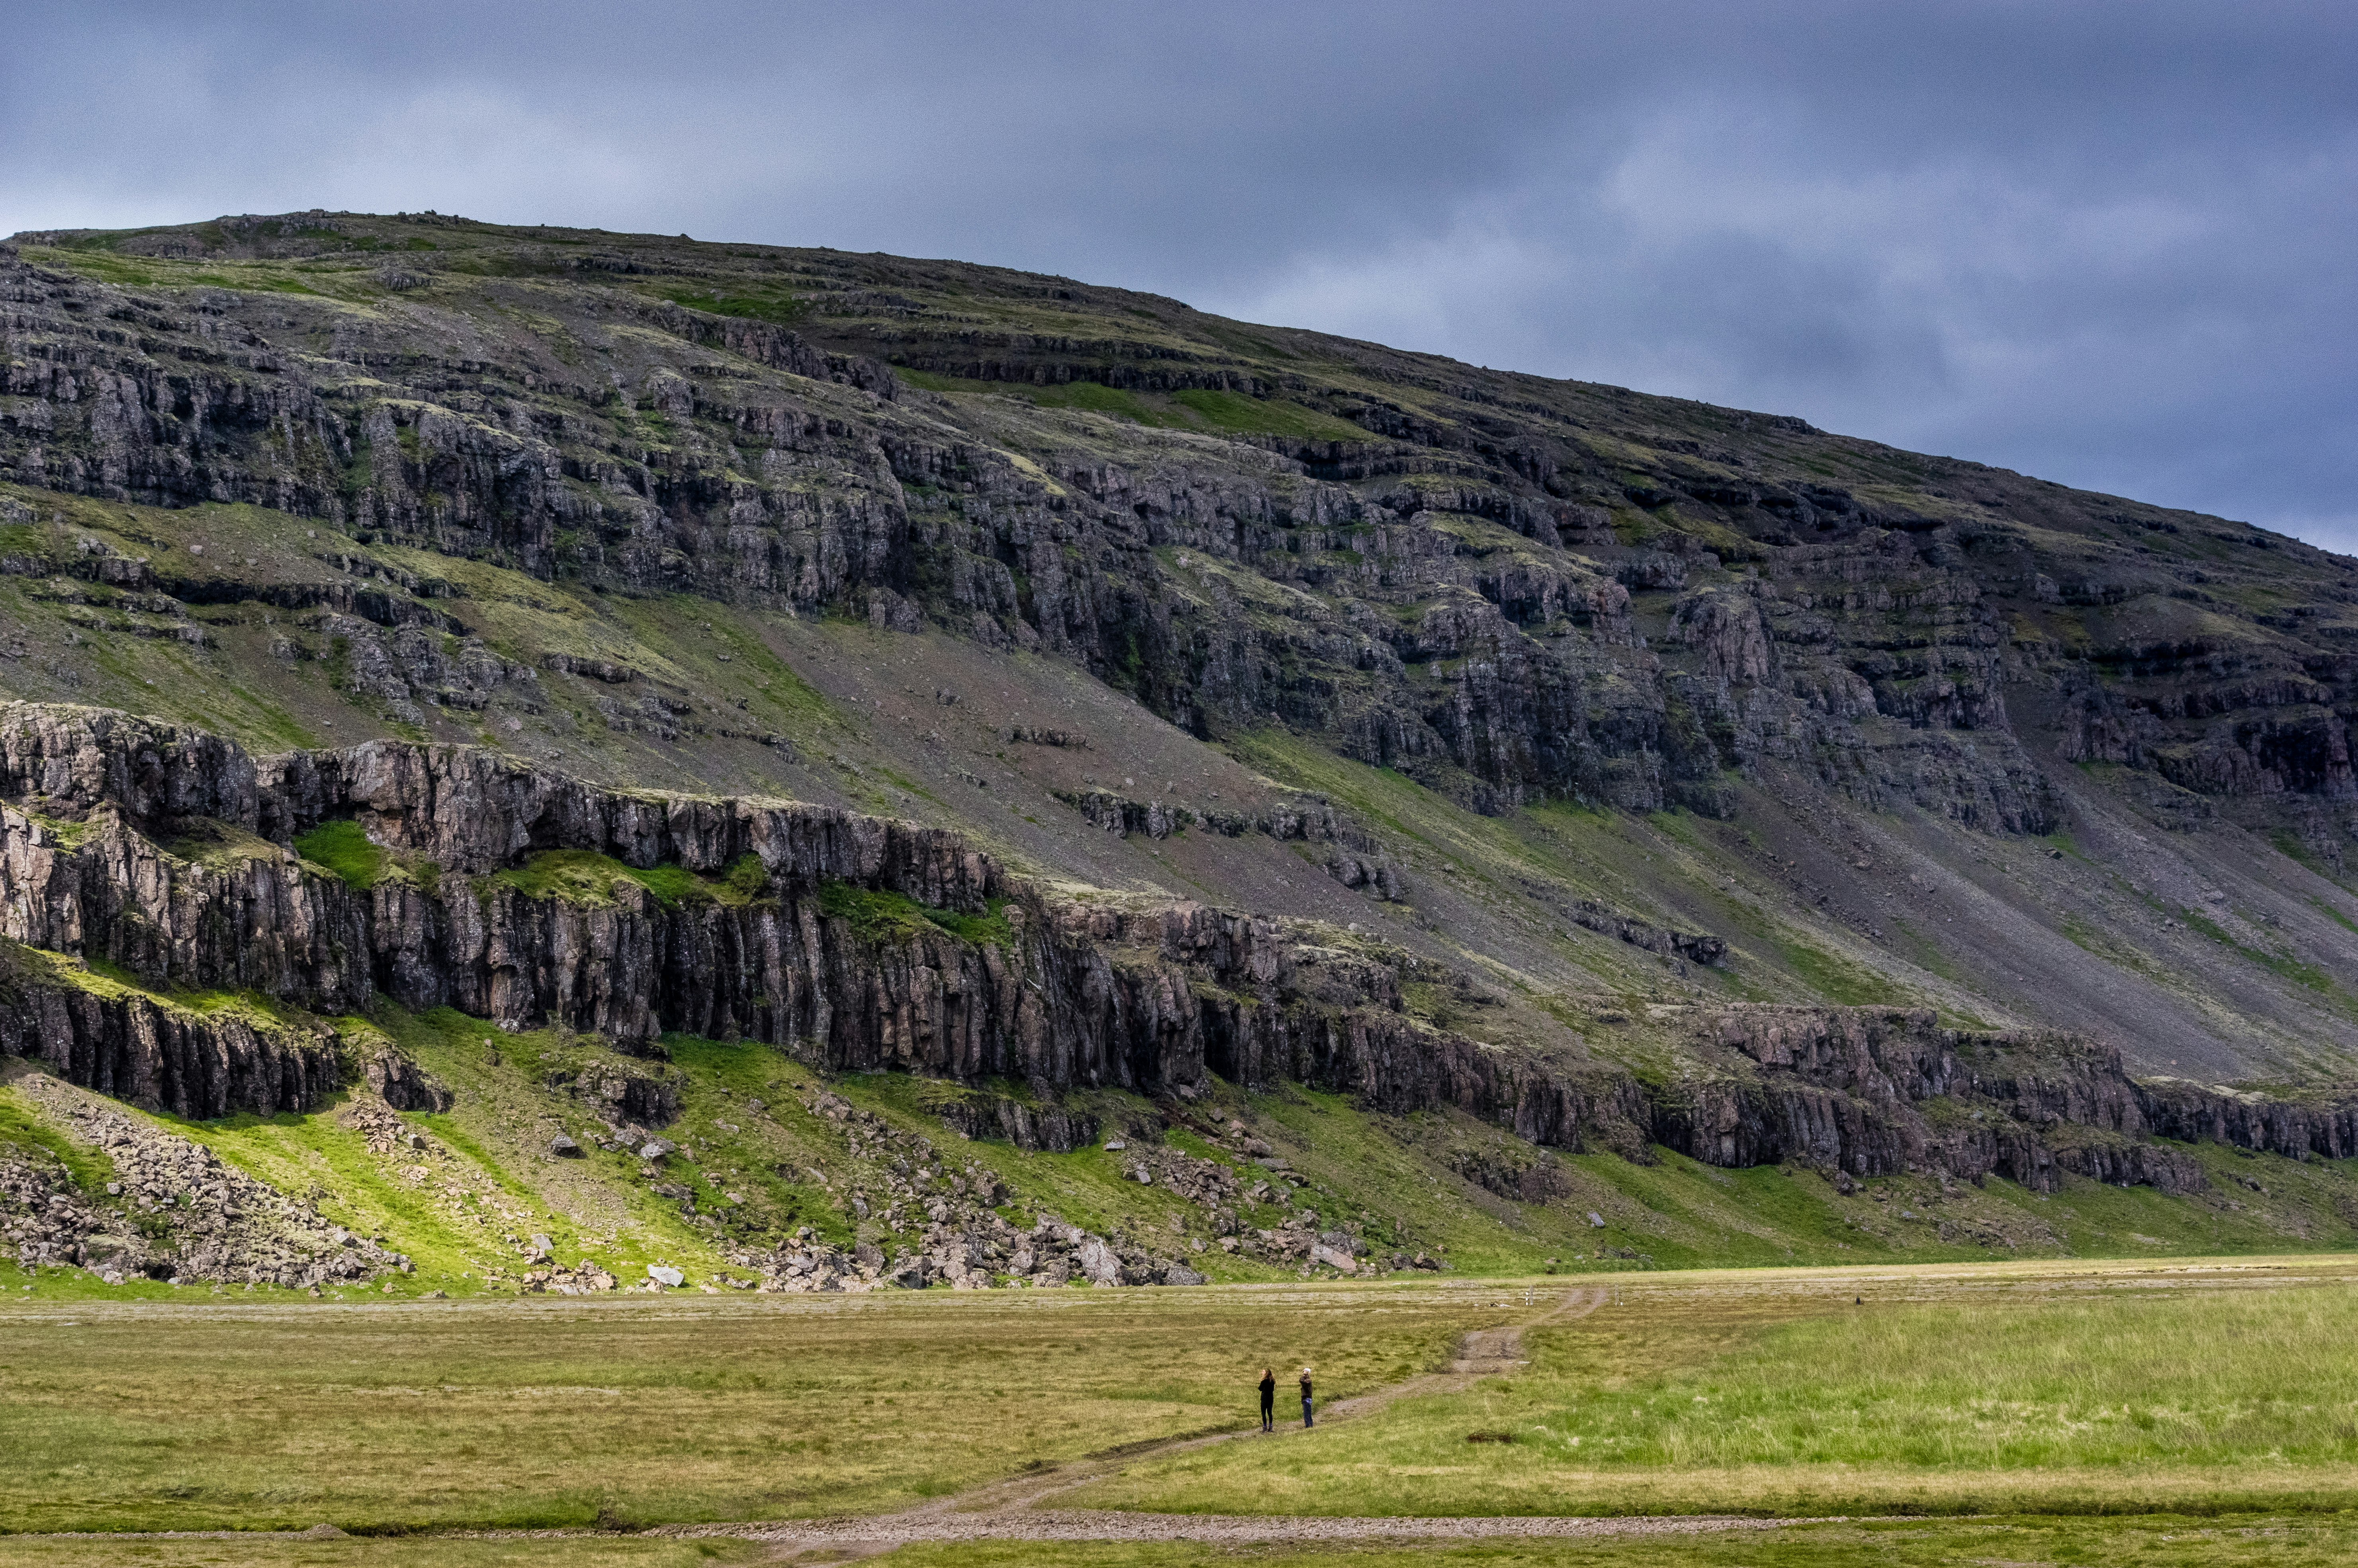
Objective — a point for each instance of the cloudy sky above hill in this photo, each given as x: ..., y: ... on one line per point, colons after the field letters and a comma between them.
x: 2114, y: 246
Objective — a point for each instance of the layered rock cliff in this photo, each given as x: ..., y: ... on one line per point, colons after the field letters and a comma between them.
x: 1513, y: 588
x: 170, y: 859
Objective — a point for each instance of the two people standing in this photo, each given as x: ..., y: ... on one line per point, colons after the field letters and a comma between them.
x: 1269, y: 1398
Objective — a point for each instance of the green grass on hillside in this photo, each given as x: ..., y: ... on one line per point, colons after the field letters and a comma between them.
x: 774, y: 305
x: 344, y: 849
x: 587, y: 878
x: 20, y: 1126
x: 878, y: 914
x: 1233, y: 411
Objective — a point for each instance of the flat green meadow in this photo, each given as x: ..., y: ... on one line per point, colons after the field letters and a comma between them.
x: 147, y: 1416
x: 1960, y: 1390
x: 2035, y: 1413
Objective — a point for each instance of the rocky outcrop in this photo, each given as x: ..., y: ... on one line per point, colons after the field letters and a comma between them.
x: 402, y: 1083
x: 1044, y: 1128
x: 156, y: 1053
x: 860, y: 944
x: 2298, y: 1126
x: 1353, y: 858
x: 169, y: 1210
x: 1872, y: 1091
x: 1062, y: 994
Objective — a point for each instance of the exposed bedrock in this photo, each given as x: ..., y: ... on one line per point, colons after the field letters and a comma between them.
x: 1871, y: 1090
x: 870, y: 944
x: 136, y: 1048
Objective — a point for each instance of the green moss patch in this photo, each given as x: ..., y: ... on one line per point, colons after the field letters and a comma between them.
x: 877, y: 915
x: 343, y: 849
x: 586, y: 878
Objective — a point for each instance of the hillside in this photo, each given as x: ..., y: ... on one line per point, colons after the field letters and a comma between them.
x: 635, y: 645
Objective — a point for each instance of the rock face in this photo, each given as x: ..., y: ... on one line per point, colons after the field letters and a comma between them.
x: 1872, y: 1091
x: 1510, y: 587
x: 403, y: 1084
x: 138, y: 1048
x: 874, y: 944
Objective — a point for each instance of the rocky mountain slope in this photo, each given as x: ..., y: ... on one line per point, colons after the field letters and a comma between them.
x: 1059, y: 689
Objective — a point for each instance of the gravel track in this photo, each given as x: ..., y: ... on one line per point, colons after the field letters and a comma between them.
x: 868, y: 1536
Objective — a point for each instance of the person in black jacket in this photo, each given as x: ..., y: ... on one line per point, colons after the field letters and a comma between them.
x: 1305, y: 1396
x: 1269, y: 1398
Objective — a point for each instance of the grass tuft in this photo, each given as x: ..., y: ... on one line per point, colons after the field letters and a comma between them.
x: 589, y: 879
x: 343, y: 849
x: 876, y: 914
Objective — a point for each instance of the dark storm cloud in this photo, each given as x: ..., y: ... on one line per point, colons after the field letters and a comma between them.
x: 2110, y: 244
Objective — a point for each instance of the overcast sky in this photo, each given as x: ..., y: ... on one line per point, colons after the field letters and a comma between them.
x: 2114, y: 246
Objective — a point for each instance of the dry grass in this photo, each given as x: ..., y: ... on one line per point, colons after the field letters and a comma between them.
x: 155, y: 1416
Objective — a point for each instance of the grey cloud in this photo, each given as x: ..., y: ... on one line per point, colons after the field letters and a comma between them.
x: 2108, y: 243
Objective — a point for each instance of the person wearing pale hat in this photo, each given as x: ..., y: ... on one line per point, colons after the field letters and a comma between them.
x: 1305, y: 1396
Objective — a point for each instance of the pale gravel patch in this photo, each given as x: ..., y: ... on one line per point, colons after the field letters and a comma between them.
x: 1235, y: 1530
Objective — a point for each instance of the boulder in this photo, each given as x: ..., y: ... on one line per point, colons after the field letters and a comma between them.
x: 1098, y: 1262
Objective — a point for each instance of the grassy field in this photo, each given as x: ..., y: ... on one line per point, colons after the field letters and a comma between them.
x: 2058, y: 1388
x: 153, y: 1416
x: 2055, y: 1413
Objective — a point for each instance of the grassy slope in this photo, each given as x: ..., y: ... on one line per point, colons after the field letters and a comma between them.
x: 485, y: 1182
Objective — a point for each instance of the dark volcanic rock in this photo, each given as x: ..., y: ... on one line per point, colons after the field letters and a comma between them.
x: 1063, y: 994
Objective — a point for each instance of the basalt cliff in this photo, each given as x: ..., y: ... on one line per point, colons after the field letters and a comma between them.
x: 1048, y: 691
x: 142, y: 865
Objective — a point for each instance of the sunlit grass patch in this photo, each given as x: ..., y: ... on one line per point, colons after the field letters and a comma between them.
x: 587, y: 878
x: 2070, y: 1395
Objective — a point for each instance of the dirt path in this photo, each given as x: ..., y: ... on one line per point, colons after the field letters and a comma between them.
x: 846, y: 1538
x: 1009, y: 1510
x: 1483, y: 1353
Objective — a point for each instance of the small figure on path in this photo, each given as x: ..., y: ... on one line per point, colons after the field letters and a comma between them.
x: 1305, y: 1396
x: 1269, y: 1398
